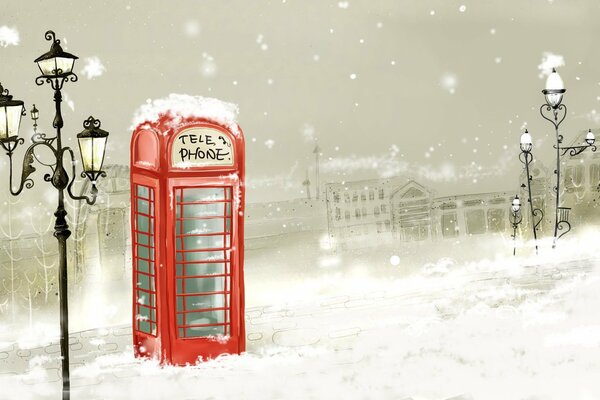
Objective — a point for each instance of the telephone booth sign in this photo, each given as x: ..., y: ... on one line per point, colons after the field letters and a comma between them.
x: 187, y: 193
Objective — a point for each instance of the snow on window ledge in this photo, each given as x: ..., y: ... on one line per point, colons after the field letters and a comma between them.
x: 181, y: 106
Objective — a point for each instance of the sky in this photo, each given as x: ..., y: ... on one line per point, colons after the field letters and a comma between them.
x: 438, y: 91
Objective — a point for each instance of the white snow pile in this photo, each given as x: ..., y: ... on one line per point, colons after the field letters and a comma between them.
x: 181, y: 106
x: 513, y: 341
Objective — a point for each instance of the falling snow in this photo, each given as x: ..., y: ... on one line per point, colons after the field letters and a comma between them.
x: 549, y: 61
x: 192, y: 28
x: 93, y: 68
x: 208, y: 66
x: 9, y: 36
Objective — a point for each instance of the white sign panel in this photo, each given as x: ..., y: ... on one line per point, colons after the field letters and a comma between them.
x: 201, y: 147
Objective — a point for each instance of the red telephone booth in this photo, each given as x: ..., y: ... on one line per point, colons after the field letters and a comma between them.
x: 187, y: 196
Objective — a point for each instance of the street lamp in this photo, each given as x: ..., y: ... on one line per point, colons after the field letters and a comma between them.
x: 56, y: 67
x: 526, y: 158
x: 555, y: 112
x: 92, y: 143
x: 11, y: 112
x: 515, y: 218
x: 35, y: 115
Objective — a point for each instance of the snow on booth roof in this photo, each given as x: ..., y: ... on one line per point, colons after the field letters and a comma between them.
x: 185, y: 106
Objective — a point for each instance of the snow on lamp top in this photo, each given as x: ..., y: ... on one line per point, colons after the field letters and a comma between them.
x: 554, y: 81
x: 526, y: 142
x: 181, y: 106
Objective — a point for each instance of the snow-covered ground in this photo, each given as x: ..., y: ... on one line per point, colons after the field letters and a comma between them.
x: 505, y: 328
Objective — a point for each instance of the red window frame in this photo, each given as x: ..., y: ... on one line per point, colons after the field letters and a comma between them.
x: 180, y: 259
x: 150, y: 260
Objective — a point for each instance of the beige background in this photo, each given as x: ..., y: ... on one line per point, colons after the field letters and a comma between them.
x: 289, y: 65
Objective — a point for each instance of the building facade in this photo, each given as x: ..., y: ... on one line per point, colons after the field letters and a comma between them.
x: 360, y: 209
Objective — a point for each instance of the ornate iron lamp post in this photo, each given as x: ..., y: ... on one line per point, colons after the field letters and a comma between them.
x: 526, y: 158
x: 515, y: 218
x: 56, y: 67
x: 555, y: 112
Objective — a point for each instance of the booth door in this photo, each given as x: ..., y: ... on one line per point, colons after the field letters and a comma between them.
x: 203, y: 254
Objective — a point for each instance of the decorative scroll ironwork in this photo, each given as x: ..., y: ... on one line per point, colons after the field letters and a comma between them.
x: 56, y: 82
x: 554, y: 117
x: 536, y: 212
x: 526, y: 157
x: 51, y: 36
x: 94, y: 190
x: 575, y: 150
x: 515, y: 219
x: 92, y: 122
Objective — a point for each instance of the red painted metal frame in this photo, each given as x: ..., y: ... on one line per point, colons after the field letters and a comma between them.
x: 164, y: 178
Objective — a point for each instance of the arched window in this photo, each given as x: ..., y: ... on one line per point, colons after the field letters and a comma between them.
x: 145, y: 152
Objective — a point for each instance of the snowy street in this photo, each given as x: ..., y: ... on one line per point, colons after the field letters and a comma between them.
x: 485, y: 330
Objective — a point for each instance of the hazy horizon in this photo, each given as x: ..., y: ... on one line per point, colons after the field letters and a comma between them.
x: 436, y: 91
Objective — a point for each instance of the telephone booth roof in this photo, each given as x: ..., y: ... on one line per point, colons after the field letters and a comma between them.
x: 183, y: 134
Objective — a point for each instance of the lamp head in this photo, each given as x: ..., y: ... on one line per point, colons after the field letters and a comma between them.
x: 526, y: 142
x: 590, y: 138
x: 35, y: 113
x: 92, y: 145
x: 56, y: 63
x: 555, y: 88
x: 11, y: 112
x: 516, y: 205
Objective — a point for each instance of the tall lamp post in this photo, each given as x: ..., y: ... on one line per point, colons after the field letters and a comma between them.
x: 56, y: 67
x: 526, y: 158
x: 555, y: 112
x: 515, y: 218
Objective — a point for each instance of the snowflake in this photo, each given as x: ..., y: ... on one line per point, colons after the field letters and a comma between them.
x: 192, y: 28
x: 8, y: 36
x: 93, y: 68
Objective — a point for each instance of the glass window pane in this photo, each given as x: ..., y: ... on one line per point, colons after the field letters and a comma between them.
x: 201, y: 226
x: 143, y: 223
x: 449, y: 225
x: 145, y: 282
x: 143, y: 265
x: 145, y: 252
x: 201, y: 269
x: 476, y: 223
x: 200, y: 285
x: 204, y: 194
x: 205, y: 210
x: 193, y: 303
x: 143, y: 206
x: 144, y: 239
x: 145, y: 326
x: 198, y: 331
x: 143, y: 191
x: 496, y: 220
x: 204, y: 318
